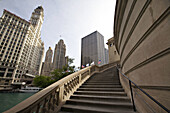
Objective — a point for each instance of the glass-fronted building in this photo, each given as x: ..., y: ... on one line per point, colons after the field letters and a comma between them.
x: 92, y: 49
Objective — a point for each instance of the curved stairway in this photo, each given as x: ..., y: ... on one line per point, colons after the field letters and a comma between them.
x: 101, y: 93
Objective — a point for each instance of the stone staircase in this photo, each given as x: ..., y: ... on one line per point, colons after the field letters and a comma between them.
x: 101, y: 93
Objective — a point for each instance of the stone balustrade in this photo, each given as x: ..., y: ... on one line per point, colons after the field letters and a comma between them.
x: 50, y: 99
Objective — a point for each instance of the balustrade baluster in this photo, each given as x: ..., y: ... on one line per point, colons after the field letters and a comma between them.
x: 44, y: 110
x: 38, y: 108
x: 53, y: 101
x: 72, y: 84
x: 51, y: 105
x: 66, y: 88
x: 46, y: 105
x: 79, y: 79
x: 69, y: 87
x: 76, y: 80
x: 55, y: 98
x: 61, y: 94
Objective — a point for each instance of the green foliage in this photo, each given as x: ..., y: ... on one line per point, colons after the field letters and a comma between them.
x: 57, y: 74
x: 42, y: 81
x: 70, y: 61
x: 66, y: 70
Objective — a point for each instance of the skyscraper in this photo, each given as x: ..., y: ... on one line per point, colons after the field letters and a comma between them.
x: 92, y: 49
x: 106, y: 56
x: 21, y: 48
x: 37, y: 46
x: 59, y: 55
x: 48, y: 62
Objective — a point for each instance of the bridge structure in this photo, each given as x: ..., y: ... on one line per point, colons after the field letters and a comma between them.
x: 93, y: 89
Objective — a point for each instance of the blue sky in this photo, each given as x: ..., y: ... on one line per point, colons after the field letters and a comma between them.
x: 72, y: 19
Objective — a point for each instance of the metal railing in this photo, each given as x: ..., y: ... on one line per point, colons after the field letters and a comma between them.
x: 132, y: 98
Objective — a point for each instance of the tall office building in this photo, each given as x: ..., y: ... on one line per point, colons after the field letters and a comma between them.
x: 59, y: 59
x: 48, y: 62
x: 106, y: 55
x: 21, y: 48
x: 92, y: 49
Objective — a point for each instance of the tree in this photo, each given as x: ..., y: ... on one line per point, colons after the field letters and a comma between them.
x: 42, y: 81
x: 66, y: 70
x: 70, y: 61
x: 57, y: 74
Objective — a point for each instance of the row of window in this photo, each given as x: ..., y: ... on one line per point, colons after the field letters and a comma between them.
x: 4, y: 69
x: 7, y: 75
x: 14, y: 19
x: 12, y: 45
x: 9, y: 31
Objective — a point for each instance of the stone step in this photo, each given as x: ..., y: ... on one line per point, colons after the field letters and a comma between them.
x: 101, y: 76
x: 100, y: 89
x: 100, y: 93
x: 100, y: 80
x: 89, y: 109
x: 115, y: 105
x: 105, y: 77
x: 103, y: 82
x: 101, y: 98
x: 101, y: 86
x: 92, y: 83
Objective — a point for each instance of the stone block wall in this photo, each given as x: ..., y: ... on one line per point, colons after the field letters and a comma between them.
x: 142, y: 37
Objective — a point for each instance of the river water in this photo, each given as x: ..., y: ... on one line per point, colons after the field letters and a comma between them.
x: 8, y: 100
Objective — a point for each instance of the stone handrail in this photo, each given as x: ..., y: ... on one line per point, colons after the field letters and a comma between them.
x: 50, y: 99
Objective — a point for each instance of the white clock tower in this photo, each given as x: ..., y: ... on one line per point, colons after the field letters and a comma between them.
x: 37, y: 19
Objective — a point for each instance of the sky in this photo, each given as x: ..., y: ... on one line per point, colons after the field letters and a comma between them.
x: 69, y: 20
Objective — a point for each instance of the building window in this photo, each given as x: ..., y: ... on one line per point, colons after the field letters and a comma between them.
x: 9, y: 75
x: 2, y: 69
x: 6, y: 80
x: 6, y: 84
x: 10, y: 70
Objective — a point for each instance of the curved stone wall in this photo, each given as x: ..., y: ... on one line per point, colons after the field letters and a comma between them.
x: 142, y: 35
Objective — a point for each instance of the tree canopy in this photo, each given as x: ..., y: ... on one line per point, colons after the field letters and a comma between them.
x: 42, y: 81
x: 57, y: 74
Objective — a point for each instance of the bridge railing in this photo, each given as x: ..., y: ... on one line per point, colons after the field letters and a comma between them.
x: 53, y: 97
x: 50, y: 99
